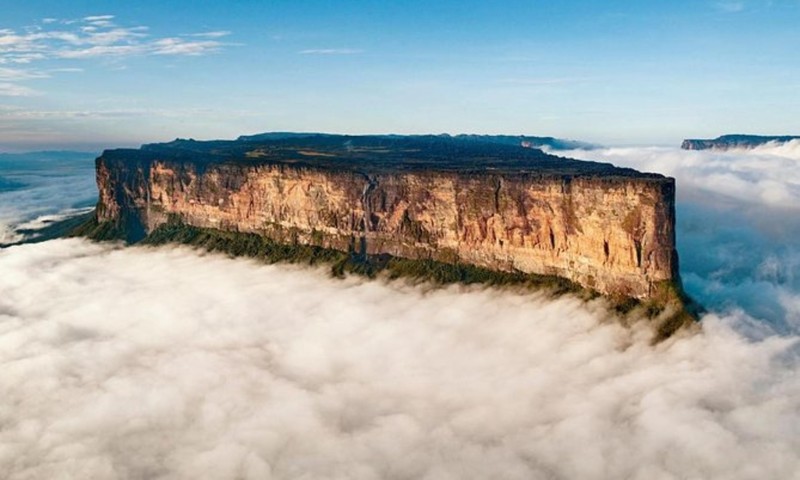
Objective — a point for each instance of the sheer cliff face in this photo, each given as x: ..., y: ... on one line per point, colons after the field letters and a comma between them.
x: 613, y: 234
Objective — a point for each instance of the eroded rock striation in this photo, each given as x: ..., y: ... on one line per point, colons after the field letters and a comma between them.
x: 502, y: 207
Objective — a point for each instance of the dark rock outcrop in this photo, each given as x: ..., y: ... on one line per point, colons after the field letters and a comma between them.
x: 728, y: 142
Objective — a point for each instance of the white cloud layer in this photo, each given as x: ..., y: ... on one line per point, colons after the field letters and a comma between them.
x: 768, y: 175
x: 39, y: 185
x: 134, y: 363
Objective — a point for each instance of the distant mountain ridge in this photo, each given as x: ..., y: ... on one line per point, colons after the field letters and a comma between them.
x: 527, y: 141
x: 727, y: 142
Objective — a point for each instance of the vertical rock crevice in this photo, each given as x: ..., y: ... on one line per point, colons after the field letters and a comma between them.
x: 366, y: 206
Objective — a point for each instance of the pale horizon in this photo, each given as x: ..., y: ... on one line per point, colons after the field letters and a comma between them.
x: 86, y: 75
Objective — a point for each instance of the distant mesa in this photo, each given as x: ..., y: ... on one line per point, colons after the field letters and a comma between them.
x: 736, y: 141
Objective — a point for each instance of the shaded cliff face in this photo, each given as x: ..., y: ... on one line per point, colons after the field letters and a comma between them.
x: 610, y: 232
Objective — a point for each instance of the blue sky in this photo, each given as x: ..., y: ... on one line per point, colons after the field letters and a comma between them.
x: 94, y: 74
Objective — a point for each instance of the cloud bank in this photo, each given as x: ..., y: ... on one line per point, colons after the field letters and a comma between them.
x: 44, y: 186
x: 135, y: 363
x: 765, y: 176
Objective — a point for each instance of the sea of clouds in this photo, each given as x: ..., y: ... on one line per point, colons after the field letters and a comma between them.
x: 170, y: 363
x: 41, y: 187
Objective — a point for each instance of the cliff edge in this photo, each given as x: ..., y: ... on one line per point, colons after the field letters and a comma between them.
x: 499, y: 207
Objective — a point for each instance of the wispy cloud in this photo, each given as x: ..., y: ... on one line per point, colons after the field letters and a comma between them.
x: 331, y: 51
x: 730, y: 6
x: 67, y: 69
x: 21, y: 58
x: 179, y: 46
x: 15, y: 74
x: 98, y: 18
x: 15, y: 90
x: 94, y: 36
x: 100, y: 51
x: 544, y: 80
x: 215, y: 34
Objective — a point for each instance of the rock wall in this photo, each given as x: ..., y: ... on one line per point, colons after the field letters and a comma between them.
x: 613, y: 234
